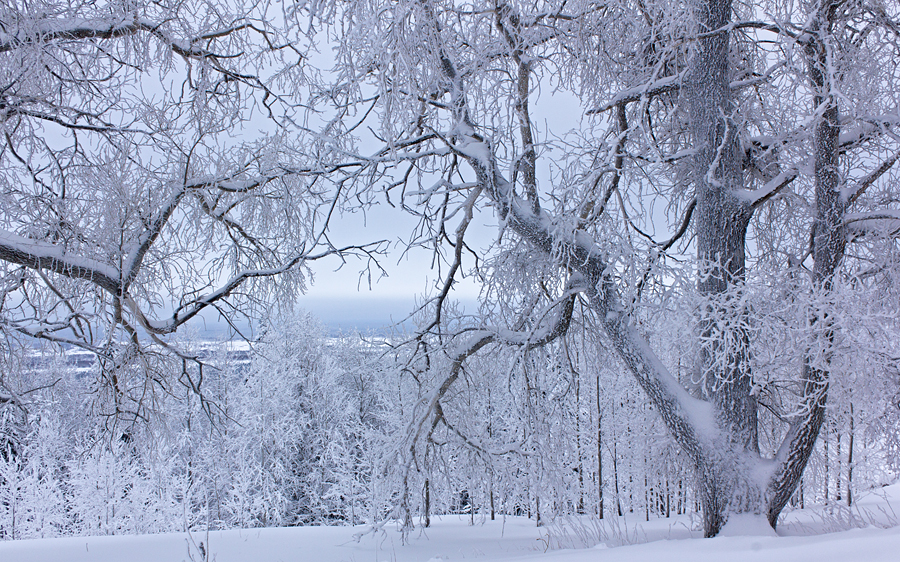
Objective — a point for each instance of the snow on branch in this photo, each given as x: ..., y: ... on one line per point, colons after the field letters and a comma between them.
x: 40, y: 255
x: 73, y: 124
x: 648, y: 89
x: 850, y: 195
x: 190, y: 309
x: 37, y: 254
x: 51, y: 335
x: 886, y: 221
x: 49, y: 30
x: 868, y: 128
x: 673, y: 84
x: 68, y: 29
x: 756, y: 197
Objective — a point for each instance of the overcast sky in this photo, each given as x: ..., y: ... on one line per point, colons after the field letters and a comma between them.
x: 344, y: 300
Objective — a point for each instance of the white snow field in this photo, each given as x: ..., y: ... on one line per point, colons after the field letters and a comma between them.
x: 805, y: 535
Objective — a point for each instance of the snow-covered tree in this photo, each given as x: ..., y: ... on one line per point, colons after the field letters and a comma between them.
x: 151, y: 171
x: 697, y: 118
x: 723, y: 181
x: 32, y: 490
x: 303, y: 416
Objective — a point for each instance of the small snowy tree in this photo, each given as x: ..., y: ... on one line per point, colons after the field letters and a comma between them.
x: 33, y: 487
x: 302, y: 418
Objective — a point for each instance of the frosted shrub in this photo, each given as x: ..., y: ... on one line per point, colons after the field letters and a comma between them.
x: 32, y: 499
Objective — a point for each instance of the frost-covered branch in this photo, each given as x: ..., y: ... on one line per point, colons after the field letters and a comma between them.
x: 673, y: 83
x: 885, y: 223
x: 49, y: 30
x: 773, y: 187
x: 190, y: 309
x: 851, y: 194
x: 687, y: 418
x: 37, y: 254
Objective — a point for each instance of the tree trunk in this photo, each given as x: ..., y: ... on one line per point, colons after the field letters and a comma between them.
x: 492, y: 499
x: 829, y: 241
x: 721, y: 225
x: 578, y: 446
x: 827, y: 484
x: 427, y: 503
x: 599, y: 454
x: 615, y: 466
x: 838, y: 493
x: 850, y: 461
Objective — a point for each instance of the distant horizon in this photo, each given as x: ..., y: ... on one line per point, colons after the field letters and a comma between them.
x: 361, y: 312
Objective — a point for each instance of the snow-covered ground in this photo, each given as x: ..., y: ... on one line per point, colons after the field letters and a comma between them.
x: 805, y: 535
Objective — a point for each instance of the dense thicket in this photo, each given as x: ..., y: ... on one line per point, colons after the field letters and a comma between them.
x: 308, y: 428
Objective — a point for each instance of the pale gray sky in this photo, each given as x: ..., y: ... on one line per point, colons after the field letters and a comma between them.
x: 344, y: 299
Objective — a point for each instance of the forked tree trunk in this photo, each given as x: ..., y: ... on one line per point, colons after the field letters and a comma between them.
x: 718, y: 430
x: 725, y: 476
x: 720, y: 227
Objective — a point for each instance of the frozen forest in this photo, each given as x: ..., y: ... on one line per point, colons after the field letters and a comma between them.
x: 681, y: 221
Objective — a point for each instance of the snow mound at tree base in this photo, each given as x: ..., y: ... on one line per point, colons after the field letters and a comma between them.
x: 747, y: 525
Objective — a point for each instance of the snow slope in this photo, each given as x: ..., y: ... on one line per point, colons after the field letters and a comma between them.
x: 803, y: 536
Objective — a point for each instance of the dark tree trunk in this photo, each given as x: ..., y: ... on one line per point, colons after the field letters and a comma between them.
x: 427, y: 503
x: 721, y: 226
x: 829, y: 241
x: 850, y: 461
x: 600, y: 454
